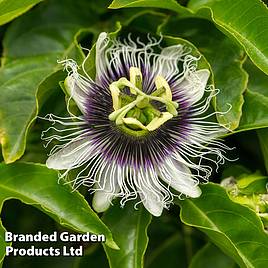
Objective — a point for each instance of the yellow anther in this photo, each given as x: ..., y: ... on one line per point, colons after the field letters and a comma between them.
x: 161, y: 83
x: 115, y: 91
x: 158, y: 121
x: 133, y: 122
x: 135, y: 79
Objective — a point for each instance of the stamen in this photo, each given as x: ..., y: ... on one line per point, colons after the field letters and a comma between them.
x: 140, y: 114
x: 135, y: 78
x: 161, y: 84
x: 115, y: 96
x: 158, y: 121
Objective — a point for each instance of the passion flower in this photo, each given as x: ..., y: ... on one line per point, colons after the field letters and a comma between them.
x: 144, y: 130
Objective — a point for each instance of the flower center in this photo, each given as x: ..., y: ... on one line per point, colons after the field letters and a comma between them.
x: 134, y: 110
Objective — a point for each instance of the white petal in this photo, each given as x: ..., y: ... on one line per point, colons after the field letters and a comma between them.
x: 76, y: 93
x: 70, y: 156
x: 171, y: 51
x: 100, y: 62
x: 178, y: 176
x: 101, y: 201
x: 194, y: 84
x: 108, y: 182
x: 167, y: 61
x: 151, y: 201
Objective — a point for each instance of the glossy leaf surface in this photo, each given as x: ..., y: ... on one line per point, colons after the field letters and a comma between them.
x: 36, y: 185
x: 218, y: 217
x: 129, y: 228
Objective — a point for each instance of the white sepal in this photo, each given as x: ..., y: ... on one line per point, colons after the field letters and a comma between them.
x: 194, y: 84
x: 71, y: 155
x: 178, y: 176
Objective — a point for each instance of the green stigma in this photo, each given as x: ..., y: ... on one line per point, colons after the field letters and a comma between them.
x: 134, y: 112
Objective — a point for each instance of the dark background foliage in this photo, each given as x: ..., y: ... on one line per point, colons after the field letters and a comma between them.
x: 224, y: 227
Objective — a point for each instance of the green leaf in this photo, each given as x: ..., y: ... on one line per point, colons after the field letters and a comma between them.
x: 253, y: 118
x: 167, y: 4
x: 245, y: 21
x: 249, y: 190
x: 237, y: 179
x: 3, y: 243
x: 249, y: 27
x: 37, y: 185
x: 31, y: 51
x: 50, y: 93
x: 225, y: 58
x: 235, y: 170
x: 252, y: 184
x: 255, y: 108
x: 263, y: 139
x: 211, y: 256
x: 10, y: 9
x: 129, y: 228
x: 235, y: 229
